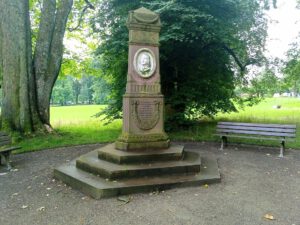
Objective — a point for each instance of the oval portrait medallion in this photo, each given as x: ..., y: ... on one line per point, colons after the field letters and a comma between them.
x: 144, y: 62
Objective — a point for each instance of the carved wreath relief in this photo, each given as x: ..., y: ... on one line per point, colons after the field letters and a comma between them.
x: 146, y: 114
x: 144, y: 62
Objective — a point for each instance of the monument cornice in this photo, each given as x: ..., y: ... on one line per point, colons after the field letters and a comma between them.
x: 143, y: 44
x: 143, y: 95
x: 143, y: 27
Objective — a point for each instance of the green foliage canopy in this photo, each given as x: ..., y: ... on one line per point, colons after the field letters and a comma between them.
x: 206, y: 47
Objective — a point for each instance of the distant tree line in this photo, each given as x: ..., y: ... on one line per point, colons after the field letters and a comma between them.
x: 279, y: 76
x: 69, y: 90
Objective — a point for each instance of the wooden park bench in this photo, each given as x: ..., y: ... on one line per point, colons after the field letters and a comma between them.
x: 6, y: 148
x: 279, y: 132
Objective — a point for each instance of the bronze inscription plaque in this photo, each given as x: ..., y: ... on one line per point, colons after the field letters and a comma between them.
x: 146, y: 114
x: 145, y: 110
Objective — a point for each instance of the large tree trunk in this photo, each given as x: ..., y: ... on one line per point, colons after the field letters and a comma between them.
x: 26, y: 88
x: 16, y: 65
x: 49, y: 51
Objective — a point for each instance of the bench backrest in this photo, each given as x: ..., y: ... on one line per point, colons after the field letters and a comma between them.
x: 4, y: 139
x: 275, y: 130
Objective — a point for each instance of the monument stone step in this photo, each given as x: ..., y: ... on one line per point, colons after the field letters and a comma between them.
x: 109, y: 153
x: 91, y: 163
x: 98, y: 187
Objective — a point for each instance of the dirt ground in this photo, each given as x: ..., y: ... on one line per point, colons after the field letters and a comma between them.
x: 255, y: 182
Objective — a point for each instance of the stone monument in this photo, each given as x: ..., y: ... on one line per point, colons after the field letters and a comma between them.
x: 142, y: 158
x: 143, y: 103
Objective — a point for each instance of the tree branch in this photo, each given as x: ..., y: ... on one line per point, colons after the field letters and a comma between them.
x: 88, y: 6
x: 231, y: 52
x: 236, y: 59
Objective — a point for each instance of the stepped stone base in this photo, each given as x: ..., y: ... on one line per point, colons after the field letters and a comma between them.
x: 131, y: 142
x: 108, y: 172
x: 108, y: 153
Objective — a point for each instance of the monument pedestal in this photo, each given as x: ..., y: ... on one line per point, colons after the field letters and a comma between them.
x: 107, y: 172
x: 142, y: 158
x: 142, y: 123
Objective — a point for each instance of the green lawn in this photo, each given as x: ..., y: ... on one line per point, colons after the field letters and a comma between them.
x: 75, y: 125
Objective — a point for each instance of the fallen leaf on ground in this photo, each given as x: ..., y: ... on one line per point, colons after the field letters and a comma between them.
x: 15, y: 194
x: 48, y: 188
x: 14, y: 170
x: 126, y: 199
x: 269, y: 216
x: 2, y: 174
x: 196, y: 194
x: 24, y: 206
x: 268, y: 154
x: 205, y: 185
x: 41, y: 209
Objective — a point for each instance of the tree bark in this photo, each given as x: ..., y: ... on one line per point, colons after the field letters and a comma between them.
x: 16, y: 65
x: 49, y: 51
x: 28, y: 81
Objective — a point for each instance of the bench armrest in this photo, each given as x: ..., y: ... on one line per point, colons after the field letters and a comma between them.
x: 9, y: 148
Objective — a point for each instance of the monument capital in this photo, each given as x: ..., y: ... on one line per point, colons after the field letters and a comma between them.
x: 144, y: 26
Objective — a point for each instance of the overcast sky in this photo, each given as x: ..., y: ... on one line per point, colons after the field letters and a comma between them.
x: 283, y: 28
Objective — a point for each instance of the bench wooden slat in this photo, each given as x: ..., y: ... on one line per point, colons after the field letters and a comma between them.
x: 258, y: 125
x: 255, y: 133
x: 255, y: 137
x: 273, y: 129
x: 4, y: 138
x: 7, y: 142
x: 3, y: 134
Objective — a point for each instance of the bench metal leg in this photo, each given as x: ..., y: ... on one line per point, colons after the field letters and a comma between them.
x: 6, y: 156
x: 223, y: 142
x: 282, y: 148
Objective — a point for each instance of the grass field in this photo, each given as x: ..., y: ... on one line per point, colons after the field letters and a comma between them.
x: 75, y: 125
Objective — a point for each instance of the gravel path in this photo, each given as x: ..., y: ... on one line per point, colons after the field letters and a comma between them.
x: 254, y: 182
